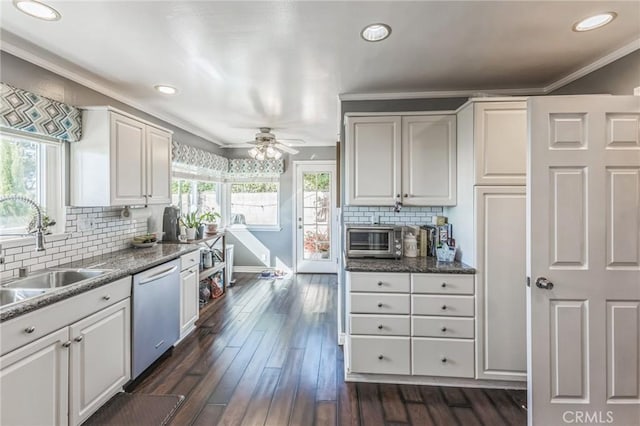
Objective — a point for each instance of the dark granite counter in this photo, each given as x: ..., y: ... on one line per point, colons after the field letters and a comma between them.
x: 407, y: 264
x: 121, y: 263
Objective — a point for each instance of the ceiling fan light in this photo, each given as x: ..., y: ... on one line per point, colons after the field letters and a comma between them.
x: 271, y: 152
x: 278, y: 155
x: 253, y: 152
x: 260, y: 156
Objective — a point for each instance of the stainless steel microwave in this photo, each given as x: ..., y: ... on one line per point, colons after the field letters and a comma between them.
x: 383, y: 241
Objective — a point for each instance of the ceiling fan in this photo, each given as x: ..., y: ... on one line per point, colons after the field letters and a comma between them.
x: 268, y: 147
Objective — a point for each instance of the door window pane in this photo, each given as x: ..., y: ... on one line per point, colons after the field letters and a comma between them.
x: 316, y: 215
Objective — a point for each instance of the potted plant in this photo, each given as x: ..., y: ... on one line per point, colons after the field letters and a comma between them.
x: 46, y: 223
x: 210, y: 218
x: 191, y: 222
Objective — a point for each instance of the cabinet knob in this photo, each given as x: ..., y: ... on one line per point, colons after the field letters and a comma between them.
x: 444, y: 285
x: 79, y: 338
x: 444, y: 307
x: 66, y: 344
x: 443, y: 360
x: 379, y: 283
x: 444, y: 329
x: 397, y: 195
x: 379, y: 304
x: 380, y: 357
x: 380, y: 327
x: 29, y: 330
x: 406, y: 195
x: 107, y: 297
x: 149, y: 195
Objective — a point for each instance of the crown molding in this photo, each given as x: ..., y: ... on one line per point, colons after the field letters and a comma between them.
x: 587, y: 69
x: 79, y: 77
x: 596, y: 65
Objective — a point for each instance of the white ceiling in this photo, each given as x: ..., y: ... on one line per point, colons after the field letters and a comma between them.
x: 243, y: 65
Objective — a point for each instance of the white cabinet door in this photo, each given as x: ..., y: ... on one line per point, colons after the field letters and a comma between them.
x: 128, y: 180
x: 372, y: 160
x: 429, y: 160
x: 34, y: 382
x: 189, y: 305
x: 158, y: 166
x: 501, y: 272
x: 500, y: 134
x: 100, y: 359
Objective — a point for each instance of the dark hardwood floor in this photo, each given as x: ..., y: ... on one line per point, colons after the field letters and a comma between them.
x: 266, y: 354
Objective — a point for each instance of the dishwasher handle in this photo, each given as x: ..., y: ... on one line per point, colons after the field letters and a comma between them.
x: 159, y: 275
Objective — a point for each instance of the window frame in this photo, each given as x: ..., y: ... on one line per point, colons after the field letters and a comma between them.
x: 254, y: 227
x: 53, y: 185
x: 193, y: 180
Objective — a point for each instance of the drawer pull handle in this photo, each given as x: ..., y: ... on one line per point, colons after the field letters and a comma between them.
x: 107, y: 297
x: 66, y: 344
x: 444, y: 329
x: 444, y: 307
x: 379, y: 283
x: 379, y: 304
x: 444, y: 285
x: 79, y: 338
x: 380, y: 327
x: 29, y: 330
x: 380, y: 357
x: 444, y: 360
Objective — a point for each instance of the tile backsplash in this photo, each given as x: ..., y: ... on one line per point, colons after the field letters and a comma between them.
x: 89, y: 231
x: 386, y: 215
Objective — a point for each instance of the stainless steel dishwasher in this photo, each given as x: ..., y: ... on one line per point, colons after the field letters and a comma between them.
x: 155, y: 314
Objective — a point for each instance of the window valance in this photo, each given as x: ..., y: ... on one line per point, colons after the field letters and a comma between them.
x: 27, y: 112
x: 244, y: 168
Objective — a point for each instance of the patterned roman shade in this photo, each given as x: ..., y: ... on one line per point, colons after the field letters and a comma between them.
x: 27, y: 112
x: 247, y: 168
x: 192, y: 163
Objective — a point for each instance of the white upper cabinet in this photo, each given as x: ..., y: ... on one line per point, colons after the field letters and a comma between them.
x: 411, y: 159
x: 373, y: 160
x: 500, y: 135
x: 120, y: 160
x: 429, y: 160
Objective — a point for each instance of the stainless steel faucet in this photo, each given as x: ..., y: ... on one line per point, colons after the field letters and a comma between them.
x: 39, y: 233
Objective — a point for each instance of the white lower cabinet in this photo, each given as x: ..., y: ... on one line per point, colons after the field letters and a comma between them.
x: 380, y: 355
x: 65, y: 375
x: 100, y: 359
x: 424, y: 327
x: 34, y: 382
x: 189, y: 292
x: 442, y: 357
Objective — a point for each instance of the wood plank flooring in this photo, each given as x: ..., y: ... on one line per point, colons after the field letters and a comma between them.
x: 266, y: 354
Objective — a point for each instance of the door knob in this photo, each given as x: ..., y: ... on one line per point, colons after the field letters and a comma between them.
x: 544, y: 283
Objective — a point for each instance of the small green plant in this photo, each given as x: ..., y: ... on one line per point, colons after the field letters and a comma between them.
x: 46, y: 223
x: 210, y: 216
x: 191, y: 220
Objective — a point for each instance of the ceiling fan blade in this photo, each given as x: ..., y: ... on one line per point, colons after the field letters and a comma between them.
x: 285, y: 148
x: 290, y: 142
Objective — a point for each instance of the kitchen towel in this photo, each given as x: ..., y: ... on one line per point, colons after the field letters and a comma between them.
x: 135, y: 214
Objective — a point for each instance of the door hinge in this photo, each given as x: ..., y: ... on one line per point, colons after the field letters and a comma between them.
x: 528, y: 281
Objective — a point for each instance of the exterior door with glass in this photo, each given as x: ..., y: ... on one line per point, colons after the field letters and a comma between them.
x: 315, y: 219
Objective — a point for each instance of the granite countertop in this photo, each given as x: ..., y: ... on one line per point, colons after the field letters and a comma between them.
x: 122, y: 263
x: 407, y: 264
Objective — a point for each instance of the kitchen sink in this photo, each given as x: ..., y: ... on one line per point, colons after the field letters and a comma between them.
x: 54, y: 278
x: 9, y: 296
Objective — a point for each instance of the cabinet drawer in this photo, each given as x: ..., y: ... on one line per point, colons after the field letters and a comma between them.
x: 377, y: 282
x: 442, y: 283
x: 455, y: 306
x: 461, y: 328
x: 386, y: 325
x: 190, y: 259
x: 379, y: 355
x: 443, y: 357
x: 363, y: 303
x: 13, y: 333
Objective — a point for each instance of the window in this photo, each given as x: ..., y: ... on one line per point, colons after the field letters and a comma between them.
x: 191, y: 195
x: 33, y: 168
x: 255, y: 204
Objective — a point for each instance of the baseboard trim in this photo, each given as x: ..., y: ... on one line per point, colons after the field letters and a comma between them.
x: 252, y: 268
x: 433, y: 381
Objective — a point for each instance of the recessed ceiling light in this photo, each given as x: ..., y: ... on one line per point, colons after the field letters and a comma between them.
x: 376, y: 32
x: 167, y: 90
x: 595, y: 21
x: 37, y: 10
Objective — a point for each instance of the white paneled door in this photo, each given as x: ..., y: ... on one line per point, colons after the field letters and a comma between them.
x: 583, y: 226
x: 315, y: 217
